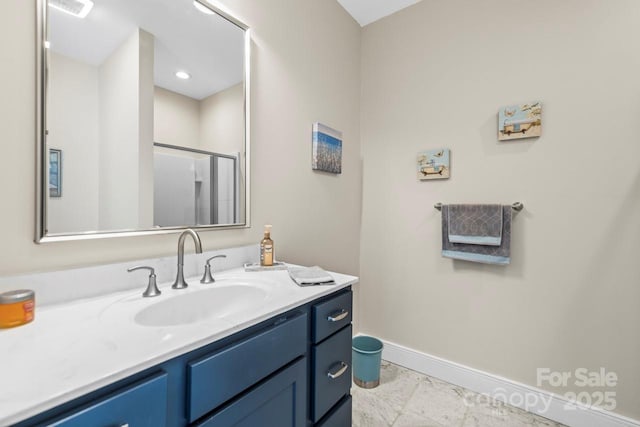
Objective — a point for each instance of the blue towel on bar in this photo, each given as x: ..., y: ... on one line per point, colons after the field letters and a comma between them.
x: 475, y: 224
x: 478, y: 253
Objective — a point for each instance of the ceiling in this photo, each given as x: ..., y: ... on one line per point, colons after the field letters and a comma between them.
x: 368, y: 11
x: 208, y: 47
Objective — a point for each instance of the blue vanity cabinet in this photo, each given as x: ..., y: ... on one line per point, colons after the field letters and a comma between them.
x: 273, y: 374
x: 331, y: 373
x: 331, y: 361
x: 215, y: 378
x: 339, y: 415
x: 142, y: 404
x: 328, y: 317
x: 276, y: 402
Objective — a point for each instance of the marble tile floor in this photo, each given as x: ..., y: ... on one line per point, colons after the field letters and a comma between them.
x: 406, y: 398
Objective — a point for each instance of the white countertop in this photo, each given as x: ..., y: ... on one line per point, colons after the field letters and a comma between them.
x: 74, y: 348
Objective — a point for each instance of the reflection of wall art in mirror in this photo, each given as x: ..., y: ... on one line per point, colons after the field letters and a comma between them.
x: 520, y: 121
x: 433, y: 164
x: 55, y: 172
x: 327, y: 149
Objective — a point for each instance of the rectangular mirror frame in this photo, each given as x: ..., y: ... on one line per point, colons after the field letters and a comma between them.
x: 41, y: 148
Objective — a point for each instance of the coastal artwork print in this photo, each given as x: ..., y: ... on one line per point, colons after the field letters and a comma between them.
x: 327, y: 149
x: 433, y: 164
x: 520, y: 121
x: 55, y: 172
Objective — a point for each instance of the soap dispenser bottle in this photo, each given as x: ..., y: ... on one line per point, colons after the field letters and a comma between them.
x: 266, y: 248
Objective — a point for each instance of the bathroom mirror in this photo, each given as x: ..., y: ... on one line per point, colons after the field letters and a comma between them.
x: 143, y: 118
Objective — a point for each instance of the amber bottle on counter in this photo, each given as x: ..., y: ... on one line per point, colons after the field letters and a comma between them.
x: 266, y: 248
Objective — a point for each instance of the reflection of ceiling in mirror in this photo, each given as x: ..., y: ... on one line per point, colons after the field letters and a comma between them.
x: 208, y: 47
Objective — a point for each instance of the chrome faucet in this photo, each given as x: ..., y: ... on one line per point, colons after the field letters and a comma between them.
x: 207, y: 277
x: 180, y: 282
x: 152, y: 288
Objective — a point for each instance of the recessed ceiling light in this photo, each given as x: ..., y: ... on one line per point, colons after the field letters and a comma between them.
x: 77, y: 8
x: 202, y: 8
x: 183, y: 75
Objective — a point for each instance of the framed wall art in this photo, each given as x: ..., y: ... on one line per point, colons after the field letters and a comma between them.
x: 55, y: 172
x: 520, y: 121
x: 434, y: 164
x: 326, y: 149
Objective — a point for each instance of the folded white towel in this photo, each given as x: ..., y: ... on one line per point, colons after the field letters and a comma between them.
x: 310, y: 276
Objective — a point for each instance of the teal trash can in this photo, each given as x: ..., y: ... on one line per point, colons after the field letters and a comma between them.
x: 367, y: 355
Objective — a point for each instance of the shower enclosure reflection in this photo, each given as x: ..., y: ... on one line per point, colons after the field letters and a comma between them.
x: 193, y: 187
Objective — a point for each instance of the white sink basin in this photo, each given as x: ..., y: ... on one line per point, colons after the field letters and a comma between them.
x: 217, y: 302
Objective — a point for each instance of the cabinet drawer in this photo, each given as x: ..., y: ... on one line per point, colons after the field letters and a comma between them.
x: 278, y: 402
x: 339, y: 416
x: 332, y: 358
x: 214, y: 379
x: 143, y: 404
x: 331, y: 316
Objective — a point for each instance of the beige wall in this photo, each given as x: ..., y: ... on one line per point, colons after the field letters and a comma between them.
x: 122, y: 124
x: 76, y: 127
x: 435, y: 75
x: 145, y: 129
x: 73, y: 128
x: 177, y: 119
x: 316, y: 217
x: 221, y: 118
x: 215, y: 123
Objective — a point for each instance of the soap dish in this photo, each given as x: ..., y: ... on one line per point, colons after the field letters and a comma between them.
x: 257, y: 267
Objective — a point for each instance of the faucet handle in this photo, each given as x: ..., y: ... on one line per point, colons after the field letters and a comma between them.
x: 213, y: 257
x: 142, y: 267
x: 152, y: 289
x: 207, y: 277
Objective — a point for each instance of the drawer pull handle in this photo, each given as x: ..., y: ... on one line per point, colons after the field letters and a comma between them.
x: 340, y: 371
x: 336, y: 317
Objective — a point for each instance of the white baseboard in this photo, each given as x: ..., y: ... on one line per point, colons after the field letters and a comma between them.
x: 549, y: 405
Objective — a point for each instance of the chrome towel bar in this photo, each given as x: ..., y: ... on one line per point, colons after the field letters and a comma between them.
x: 517, y: 206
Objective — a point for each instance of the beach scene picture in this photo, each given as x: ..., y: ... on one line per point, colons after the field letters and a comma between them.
x: 520, y: 121
x: 327, y: 149
x: 433, y: 164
